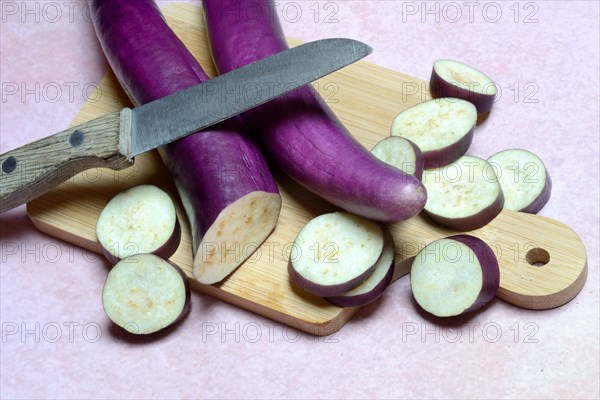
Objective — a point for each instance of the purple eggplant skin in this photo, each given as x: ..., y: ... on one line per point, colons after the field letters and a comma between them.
x: 165, y: 251
x: 490, y: 269
x: 299, y: 132
x: 472, y: 222
x: 211, y: 169
x: 113, y: 260
x: 419, y: 160
x: 535, y: 206
x: 363, y: 299
x: 326, y: 290
x: 442, y: 157
x: 439, y: 88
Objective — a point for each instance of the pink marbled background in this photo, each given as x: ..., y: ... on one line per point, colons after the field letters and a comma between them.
x: 553, y: 59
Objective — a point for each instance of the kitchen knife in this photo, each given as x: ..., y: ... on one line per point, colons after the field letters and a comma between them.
x: 114, y: 139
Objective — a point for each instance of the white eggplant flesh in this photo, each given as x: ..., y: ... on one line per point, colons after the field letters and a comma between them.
x: 524, y: 179
x: 334, y: 253
x: 400, y: 153
x: 144, y: 294
x: 376, y: 284
x: 464, y: 195
x: 141, y: 219
x: 454, y: 275
x: 450, y: 78
x: 442, y: 129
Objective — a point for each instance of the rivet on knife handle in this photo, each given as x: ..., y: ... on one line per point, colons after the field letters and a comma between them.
x: 33, y: 169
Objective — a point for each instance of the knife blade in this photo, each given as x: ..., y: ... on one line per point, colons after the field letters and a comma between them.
x: 113, y: 140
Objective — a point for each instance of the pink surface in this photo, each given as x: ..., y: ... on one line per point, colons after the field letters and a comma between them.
x: 58, y: 343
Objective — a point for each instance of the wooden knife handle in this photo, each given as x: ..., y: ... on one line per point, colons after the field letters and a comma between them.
x: 33, y: 169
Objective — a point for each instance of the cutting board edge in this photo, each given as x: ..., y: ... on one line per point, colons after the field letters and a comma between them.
x: 549, y: 301
x: 317, y: 327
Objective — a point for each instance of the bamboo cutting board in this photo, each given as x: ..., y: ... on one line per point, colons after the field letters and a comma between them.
x: 366, y: 98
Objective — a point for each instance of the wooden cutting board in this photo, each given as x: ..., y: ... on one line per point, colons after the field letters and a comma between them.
x: 366, y: 98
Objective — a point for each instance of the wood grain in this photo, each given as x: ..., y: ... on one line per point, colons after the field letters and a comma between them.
x: 366, y: 98
x: 35, y: 168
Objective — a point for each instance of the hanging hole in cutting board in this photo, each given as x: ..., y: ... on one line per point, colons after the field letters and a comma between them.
x: 537, y: 257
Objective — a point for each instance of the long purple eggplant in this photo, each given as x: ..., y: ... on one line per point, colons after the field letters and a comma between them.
x: 228, y: 192
x: 299, y: 132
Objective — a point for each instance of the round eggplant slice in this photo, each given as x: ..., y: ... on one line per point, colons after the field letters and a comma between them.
x: 464, y: 195
x: 524, y: 180
x: 441, y: 128
x: 451, y: 78
x: 454, y: 275
x: 144, y: 294
x: 400, y: 153
x: 141, y: 219
x: 334, y: 253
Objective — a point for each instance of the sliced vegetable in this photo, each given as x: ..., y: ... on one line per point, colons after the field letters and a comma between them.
x: 334, y: 253
x: 451, y: 78
x: 400, y: 153
x: 144, y: 294
x: 454, y: 275
x: 299, y: 132
x: 376, y: 283
x: 464, y: 195
x: 524, y: 180
x: 228, y: 192
x: 141, y: 219
x: 441, y: 128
